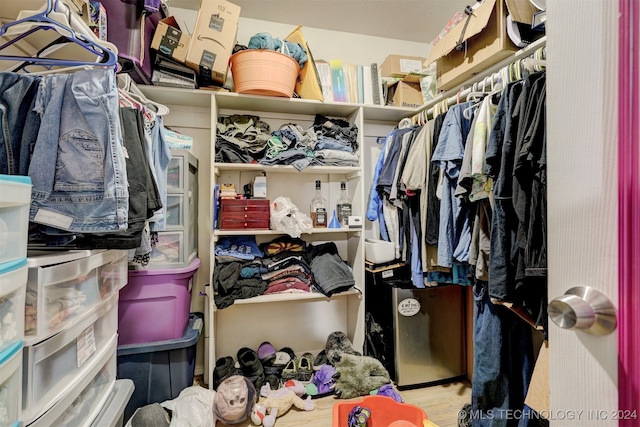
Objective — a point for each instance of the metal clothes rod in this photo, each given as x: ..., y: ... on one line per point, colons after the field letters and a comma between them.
x: 489, y: 76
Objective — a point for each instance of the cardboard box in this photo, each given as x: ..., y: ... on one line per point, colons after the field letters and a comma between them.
x: 212, y: 40
x: 401, y: 65
x: 485, y: 43
x: 170, y: 41
x: 308, y: 83
x: 406, y: 94
x: 521, y: 11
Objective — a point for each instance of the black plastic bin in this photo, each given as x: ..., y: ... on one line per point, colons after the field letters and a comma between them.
x: 159, y: 370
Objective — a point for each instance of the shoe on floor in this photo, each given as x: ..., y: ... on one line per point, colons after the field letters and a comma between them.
x: 277, y: 364
x: 321, y: 359
x: 290, y: 371
x: 305, y: 367
x: 266, y: 353
x: 273, y: 381
x: 223, y: 370
x: 251, y: 366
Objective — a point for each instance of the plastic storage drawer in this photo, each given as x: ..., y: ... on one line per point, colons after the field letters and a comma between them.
x: 15, y: 198
x: 175, y: 211
x: 82, y: 404
x: 59, y: 290
x: 13, y: 282
x: 160, y: 370
x: 173, y: 250
x: 182, y: 171
x: 155, y: 305
x: 56, y: 365
x: 10, y: 384
x: 112, y: 414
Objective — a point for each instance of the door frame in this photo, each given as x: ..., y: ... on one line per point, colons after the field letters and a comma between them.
x: 629, y: 210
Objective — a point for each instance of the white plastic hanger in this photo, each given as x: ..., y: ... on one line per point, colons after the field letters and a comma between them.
x: 126, y: 84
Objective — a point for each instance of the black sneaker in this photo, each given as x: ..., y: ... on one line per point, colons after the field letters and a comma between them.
x: 223, y: 370
x: 273, y: 381
x: 251, y: 366
x: 321, y: 359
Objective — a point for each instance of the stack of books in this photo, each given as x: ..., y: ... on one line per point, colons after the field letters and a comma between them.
x: 348, y: 82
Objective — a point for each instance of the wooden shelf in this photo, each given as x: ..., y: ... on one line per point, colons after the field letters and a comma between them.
x: 351, y: 171
x: 230, y: 100
x: 278, y: 232
x: 292, y: 297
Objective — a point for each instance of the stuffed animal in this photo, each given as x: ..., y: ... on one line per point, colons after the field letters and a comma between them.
x: 277, y: 402
x: 358, y: 375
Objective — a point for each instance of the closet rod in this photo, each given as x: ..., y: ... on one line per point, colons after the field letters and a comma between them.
x: 452, y: 95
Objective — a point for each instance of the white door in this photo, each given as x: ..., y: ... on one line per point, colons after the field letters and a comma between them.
x: 582, y: 150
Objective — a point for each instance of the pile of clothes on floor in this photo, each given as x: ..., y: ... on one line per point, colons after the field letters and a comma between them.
x: 242, y: 138
x: 244, y: 269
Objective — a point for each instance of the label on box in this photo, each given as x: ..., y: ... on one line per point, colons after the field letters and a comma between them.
x: 409, y: 65
x: 170, y: 41
x: 387, y: 273
x: 206, y: 64
x: 216, y: 23
x: 86, y: 345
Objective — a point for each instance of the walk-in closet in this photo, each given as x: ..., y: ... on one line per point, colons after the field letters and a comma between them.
x: 323, y: 214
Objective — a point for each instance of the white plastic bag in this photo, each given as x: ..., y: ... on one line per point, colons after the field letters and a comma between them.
x: 192, y: 408
x: 286, y: 217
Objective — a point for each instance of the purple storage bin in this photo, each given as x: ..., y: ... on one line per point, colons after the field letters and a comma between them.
x: 155, y: 304
x: 131, y: 29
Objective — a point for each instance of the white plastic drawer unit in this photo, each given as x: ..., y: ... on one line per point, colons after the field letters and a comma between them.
x: 175, y: 211
x: 174, y: 249
x: 13, y: 282
x: 81, y: 404
x: 10, y: 385
x: 181, y: 172
x: 63, y: 286
x: 58, y: 364
x: 15, y: 198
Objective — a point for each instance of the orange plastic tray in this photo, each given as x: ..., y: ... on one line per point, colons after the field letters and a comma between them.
x: 385, y: 412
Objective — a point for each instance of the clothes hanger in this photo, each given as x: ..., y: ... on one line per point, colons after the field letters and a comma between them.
x: 126, y: 84
x: 43, y: 21
x: 533, y: 64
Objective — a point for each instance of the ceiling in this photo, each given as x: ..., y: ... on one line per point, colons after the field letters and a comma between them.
x: 410, y: 20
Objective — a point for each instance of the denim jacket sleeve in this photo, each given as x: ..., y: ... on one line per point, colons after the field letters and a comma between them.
x: 374, y: 197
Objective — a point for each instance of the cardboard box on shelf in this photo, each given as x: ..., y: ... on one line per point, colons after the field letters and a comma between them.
x: 401, y: 65
x: 485, y: 43
x: 308, y: 84
x: 213, y: 39
x: 406, y: 94
x: 170, y: 41
x: 521, y: 11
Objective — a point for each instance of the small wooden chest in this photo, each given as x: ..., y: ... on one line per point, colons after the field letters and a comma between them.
x: 244, y: 214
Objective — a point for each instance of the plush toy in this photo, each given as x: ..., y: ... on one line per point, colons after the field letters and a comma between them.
x: 277, y: 402
x: 358, y: 375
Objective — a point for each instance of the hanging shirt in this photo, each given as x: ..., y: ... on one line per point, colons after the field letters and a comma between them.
x: 454, y: 231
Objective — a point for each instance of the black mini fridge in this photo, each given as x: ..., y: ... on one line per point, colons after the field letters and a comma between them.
x: 418, y: 334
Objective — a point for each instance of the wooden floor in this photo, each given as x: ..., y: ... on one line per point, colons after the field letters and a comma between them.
x: 440, y: 402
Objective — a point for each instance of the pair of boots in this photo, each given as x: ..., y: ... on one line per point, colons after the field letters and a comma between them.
x: 250, y: 367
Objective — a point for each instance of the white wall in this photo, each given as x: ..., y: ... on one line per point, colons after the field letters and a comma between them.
x: 324, y: 44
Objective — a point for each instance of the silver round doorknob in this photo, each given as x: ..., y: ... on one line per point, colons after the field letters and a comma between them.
x: 584, y: 308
